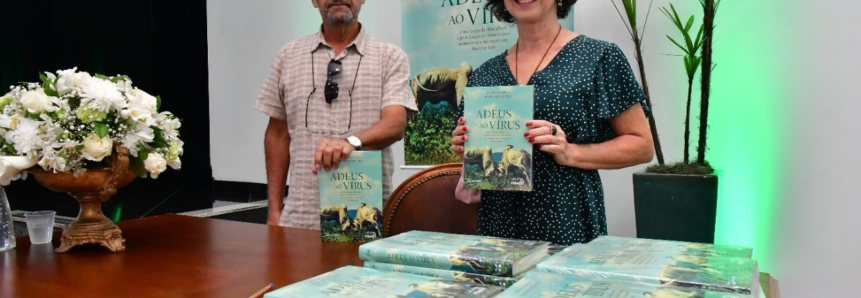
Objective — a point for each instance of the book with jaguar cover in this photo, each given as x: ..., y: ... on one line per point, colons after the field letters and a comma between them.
x: 719, y: 274
x: 549, y: 285
x: 446, y: 274
x: 351, y: 198
x: 466, y: 253
x: 359, y: 282
x: 690, y: 248
x: 496, y: 155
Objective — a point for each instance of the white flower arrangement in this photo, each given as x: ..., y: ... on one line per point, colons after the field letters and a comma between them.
x: 71, y: 121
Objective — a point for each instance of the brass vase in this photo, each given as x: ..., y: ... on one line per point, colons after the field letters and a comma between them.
x: 91, y: 189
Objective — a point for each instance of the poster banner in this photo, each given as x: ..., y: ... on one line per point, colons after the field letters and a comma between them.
x: 445, y: 40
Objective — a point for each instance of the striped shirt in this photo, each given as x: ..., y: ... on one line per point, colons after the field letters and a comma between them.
x: 381, y: 81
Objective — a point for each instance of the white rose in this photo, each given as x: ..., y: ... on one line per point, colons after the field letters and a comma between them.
x: 141, y: 105
x: 35, y: 101
x: 96, y: 148
x: 155, y: 164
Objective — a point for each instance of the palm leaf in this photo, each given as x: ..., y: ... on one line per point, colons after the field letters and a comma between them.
x: 689, y: 24
x: 631, y: 11
x: 699, y: 39
x: 623, y: 19
x: 646, y: 22
x: 678, y: 45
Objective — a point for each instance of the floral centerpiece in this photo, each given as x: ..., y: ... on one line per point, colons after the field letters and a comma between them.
x: 71, y: 121
x: 89, y: 136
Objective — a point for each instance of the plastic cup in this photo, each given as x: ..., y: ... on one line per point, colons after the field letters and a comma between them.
x: 40, y: 225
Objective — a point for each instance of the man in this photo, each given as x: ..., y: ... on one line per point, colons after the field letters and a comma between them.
x: 326, y: 95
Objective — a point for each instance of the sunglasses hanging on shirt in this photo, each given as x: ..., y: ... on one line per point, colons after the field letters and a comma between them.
x: 332, y: 88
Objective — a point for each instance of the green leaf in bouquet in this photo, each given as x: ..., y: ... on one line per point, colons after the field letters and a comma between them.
x: 136, y: 165
x: 158, y: 102
x: 116, y: 79
x: 158, y: 141
x: 49, y: 92
x: 101, y: 130
x: 79, y: 147
x: 101, y: 76
x: 142, y: 153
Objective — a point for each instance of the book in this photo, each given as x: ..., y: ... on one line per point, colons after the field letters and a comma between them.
x: 446, y: 274
x: 719, y: 274
x: 548, y: 285
x: 690, y: 248
x: 467, y: 253
x: 358, y: 282
x: 496, y: 155
x: 351, y: 199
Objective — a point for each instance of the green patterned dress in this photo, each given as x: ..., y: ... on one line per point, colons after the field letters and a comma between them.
x: 586, y: 84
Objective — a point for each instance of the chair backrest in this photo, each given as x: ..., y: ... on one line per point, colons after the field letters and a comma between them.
x: 426, y: 202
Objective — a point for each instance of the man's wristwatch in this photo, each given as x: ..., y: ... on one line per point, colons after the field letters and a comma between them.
x: 353, y: 140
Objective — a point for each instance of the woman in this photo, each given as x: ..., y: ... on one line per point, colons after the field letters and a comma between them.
x: 587, y: 118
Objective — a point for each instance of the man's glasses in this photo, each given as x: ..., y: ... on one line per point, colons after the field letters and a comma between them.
x: 331, y: 91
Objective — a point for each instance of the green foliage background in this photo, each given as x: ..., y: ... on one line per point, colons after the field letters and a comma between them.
x: 428, y: 136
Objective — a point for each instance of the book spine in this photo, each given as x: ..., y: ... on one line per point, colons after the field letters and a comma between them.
x: 504, y: 282
x: 411, y: 257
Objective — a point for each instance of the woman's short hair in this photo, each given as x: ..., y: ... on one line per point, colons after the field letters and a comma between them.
x: 497, y: 7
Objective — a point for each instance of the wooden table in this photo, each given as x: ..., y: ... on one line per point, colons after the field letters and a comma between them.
x: 180, y: 256
x: 175, y: 256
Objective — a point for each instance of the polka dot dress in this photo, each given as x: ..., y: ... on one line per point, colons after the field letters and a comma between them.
x: 586, y: 84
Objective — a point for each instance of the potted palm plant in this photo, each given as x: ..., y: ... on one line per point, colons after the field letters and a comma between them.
x: 679, y: 201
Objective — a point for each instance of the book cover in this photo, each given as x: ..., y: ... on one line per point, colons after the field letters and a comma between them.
x: 446, y: 274
x: 690, y: 248
x: 719, y: 274
x: 496, y: 155
x: 548, y: 285
x: 445, y: 41
x: 467, y: 253
x: 358, y: 282
x: 351, y: 199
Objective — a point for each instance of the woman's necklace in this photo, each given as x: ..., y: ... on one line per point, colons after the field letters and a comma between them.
x: 517, y: 49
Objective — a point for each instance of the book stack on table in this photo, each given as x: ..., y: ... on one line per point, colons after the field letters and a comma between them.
x: 478, y: 259
x: 629, y: 267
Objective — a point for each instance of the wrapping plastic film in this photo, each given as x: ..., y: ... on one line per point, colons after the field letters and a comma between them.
x: 719, y: 274
x: 466, y: 253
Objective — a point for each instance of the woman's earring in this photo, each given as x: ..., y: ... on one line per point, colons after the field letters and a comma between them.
x: 560, y: 3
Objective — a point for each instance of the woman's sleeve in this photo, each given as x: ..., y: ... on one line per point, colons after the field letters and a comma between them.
x: 616, y: 85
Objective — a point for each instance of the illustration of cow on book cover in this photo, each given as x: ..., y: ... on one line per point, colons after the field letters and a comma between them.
x: 341, y: 224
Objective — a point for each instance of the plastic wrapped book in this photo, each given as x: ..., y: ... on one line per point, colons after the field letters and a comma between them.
x: 549, y: 285
x: 719, y: 274
x: 446, y: 274
x: 690, y: 248
x: 358, y: 282
x: 467, y: 253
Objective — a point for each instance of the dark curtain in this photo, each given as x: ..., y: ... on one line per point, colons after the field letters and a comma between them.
x: 160, y: 44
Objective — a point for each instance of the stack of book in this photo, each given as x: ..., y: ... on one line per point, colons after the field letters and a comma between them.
x: 358, y: 282
x: 478, y: 259
x: 680, y: 265
x: 543, y: 285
